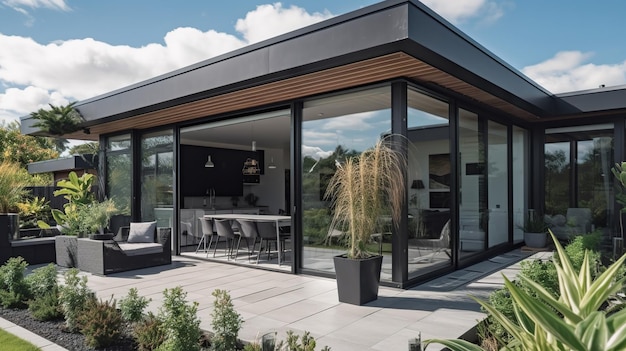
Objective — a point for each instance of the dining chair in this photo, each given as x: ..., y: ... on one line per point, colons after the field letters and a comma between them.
x: 206, y: 226
x: 267, y: 233
x: 224, y: 229
x: 248, y: 231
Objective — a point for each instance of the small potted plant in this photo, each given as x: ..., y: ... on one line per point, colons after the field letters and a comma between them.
x: 364, y: 190
x: 82, y: 215
x: 535, y: 230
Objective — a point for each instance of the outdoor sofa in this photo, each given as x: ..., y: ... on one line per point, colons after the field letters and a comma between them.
x: 125, y: 251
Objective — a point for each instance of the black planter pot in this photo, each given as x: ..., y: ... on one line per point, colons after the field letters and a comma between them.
x: 10, y: 224
x: 358, y: 280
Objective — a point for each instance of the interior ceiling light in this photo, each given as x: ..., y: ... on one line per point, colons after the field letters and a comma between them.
x: 253, y: 145
x: 209, y: 163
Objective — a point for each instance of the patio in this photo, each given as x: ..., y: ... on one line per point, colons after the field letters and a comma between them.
x: 274, y: 301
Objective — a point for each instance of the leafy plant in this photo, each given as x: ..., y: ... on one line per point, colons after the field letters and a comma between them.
x: 34, y: 210
x: 46, y: 307
x: 534, y: 223
x: 133, y: 305
x: 226, y: 322
x: 101, y: 323
x: 364, y: 188
x: 149, y: 333
x: 42, y: 280
x: 571, y: 321
x: 74, y: 297
x: 180, y: 322
x: 13, y: 288
x: 77, y: 190
x: 82, y: 214
x: 12, y: 183
x: 59, y: 120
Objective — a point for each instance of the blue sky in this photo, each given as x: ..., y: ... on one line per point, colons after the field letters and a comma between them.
x: 57, y: 51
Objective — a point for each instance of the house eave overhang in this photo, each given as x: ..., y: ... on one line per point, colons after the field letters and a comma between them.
x: 71, y: 163
x: 392, y: 39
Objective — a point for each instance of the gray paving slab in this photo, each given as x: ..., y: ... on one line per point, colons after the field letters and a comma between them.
x: 272, y: 301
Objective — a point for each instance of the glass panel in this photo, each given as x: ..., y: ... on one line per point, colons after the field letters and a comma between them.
x: 594, y: 162
x: 157, y: 175
x: 472, y: 189
x: 334, y: 128
x: 119, y: 177
x: 428, y: 188
x: 498, y: 174
x: 557, y: 170
x: 579, y: 198
x: 520, y: 181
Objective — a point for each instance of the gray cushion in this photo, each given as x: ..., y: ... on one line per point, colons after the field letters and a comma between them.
x: 136, y: 249
x: 142, y: 232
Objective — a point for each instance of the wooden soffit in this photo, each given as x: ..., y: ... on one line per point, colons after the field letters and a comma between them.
x: 381, y: 68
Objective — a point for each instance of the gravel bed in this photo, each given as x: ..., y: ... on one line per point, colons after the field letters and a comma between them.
x: 53, y: 331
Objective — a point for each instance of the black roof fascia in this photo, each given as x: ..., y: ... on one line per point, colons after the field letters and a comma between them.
x: 358, y: 35
x: 87, y: 161
x: 597, y: 100
x: 445, y: 47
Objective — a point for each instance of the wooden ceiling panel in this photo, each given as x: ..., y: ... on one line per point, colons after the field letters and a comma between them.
x: 359, y: 73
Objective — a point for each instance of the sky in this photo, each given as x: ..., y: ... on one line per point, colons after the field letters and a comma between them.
x: 59, y: 51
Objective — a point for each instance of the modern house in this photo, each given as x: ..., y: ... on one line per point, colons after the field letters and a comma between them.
x: 487, y: 144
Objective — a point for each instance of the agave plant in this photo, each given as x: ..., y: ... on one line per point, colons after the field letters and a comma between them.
x: 572, y: 321
x: 365, y: 188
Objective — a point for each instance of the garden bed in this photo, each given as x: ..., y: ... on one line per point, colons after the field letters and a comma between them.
x: 53, y: 331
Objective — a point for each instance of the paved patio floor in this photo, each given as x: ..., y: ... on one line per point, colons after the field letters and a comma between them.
x: 274, y: 301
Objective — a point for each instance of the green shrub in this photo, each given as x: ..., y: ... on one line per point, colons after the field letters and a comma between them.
x: 133, y: 305
x: 13, y: 288
x: 73, y: 298
x: 181, y: 324
x: 149, y: 333
x: 42, y: 280
x: 226, y: 322
x: 101, y: 323
x: 545, y: 274
x: 46, y: 307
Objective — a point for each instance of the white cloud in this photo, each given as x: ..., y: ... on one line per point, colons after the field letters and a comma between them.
x: 569, y: 71
x: 83, y: 68
x: 19, y: 5
x: 461, y: 10
x: 315, y: 152
x: 271, y: 20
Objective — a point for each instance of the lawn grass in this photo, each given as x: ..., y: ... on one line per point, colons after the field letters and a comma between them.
x: 13, y: 343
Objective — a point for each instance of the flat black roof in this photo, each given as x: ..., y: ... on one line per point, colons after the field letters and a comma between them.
x: 387, y: 27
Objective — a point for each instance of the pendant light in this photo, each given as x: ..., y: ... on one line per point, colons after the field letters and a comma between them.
x: 209, y: 163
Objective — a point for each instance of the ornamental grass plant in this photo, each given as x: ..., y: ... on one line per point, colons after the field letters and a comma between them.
x: 365, y: 188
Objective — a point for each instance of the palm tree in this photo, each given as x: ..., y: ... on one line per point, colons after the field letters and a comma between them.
x: 59, y: 120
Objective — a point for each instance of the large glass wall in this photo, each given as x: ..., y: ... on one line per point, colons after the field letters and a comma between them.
x: 334, y: 128
x: 429, y: 174
x: 498, y: 183
x: 157, y: 177
x: 473, y: 211
x: 579, y: 183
